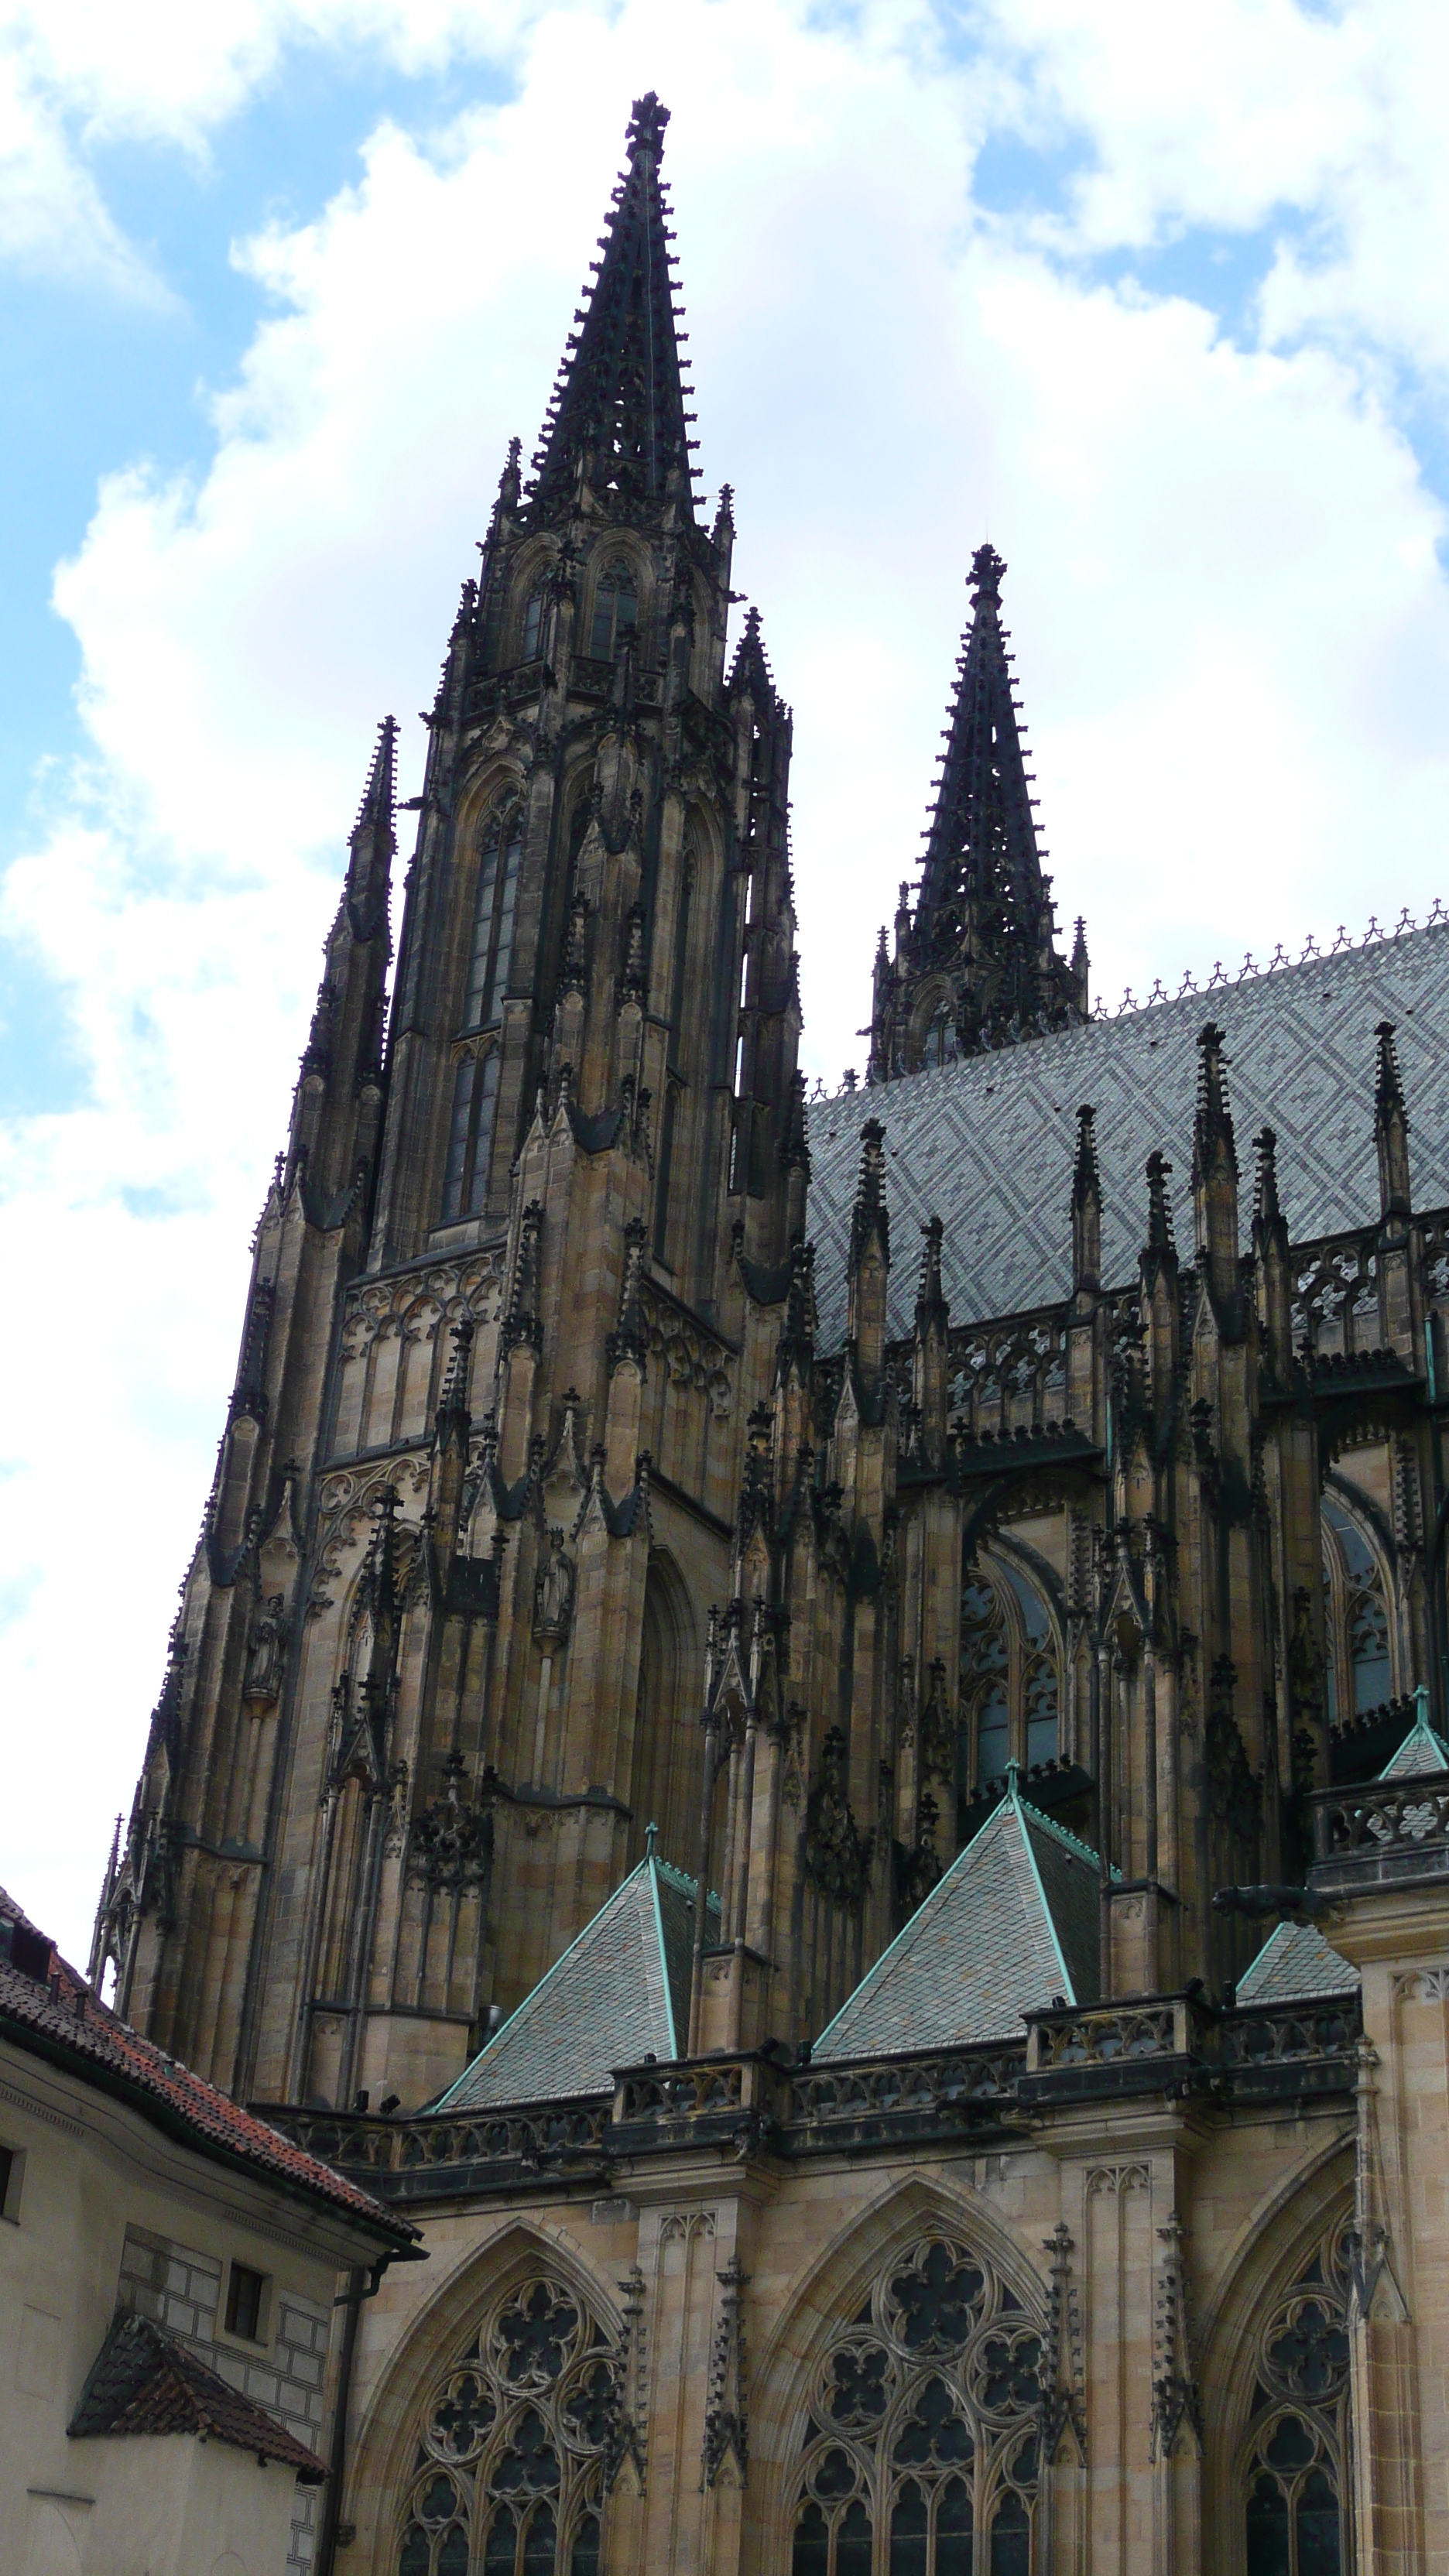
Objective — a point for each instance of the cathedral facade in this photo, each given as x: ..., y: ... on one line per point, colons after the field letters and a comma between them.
x: 807, y: 1739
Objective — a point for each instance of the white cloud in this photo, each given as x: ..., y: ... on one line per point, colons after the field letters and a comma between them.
x: 1230, y: 618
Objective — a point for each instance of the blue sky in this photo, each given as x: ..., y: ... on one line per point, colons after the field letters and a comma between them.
x: 1151, y: 298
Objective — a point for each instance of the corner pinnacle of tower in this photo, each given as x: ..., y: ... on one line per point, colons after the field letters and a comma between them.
x: 379, y: 796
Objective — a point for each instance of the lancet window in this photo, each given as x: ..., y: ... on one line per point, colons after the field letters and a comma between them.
x: 1292, y: 2462
x: 510, y: 2474
x: 470, y: 1136
x: 616, y: 609
x: 531, y: 638
x: 920, y: 2455
x: 500, y: 854
x: 1356, y: 1617
x: 1010, y: 1673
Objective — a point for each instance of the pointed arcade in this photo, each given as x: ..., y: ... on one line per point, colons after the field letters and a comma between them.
x: 617, y: 420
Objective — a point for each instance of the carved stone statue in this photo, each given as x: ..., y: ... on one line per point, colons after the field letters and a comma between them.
x: 266, y: 1654
x: 553, y: 1592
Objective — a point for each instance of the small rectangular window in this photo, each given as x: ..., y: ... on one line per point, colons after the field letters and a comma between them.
x: 244, y: 2303
x: 10, y: 2168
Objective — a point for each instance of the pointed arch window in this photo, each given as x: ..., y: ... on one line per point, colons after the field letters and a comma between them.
x: 470, y: 1137
x: 1292, y: 2459
x: 1010, y: 1674
x: 920, y: 2453
x: 1356, y: 1617
x: 531, y: 637
x: 664, y: 1182
x: 511, y: 2472
x: 943, y: 1043
x: 499, y: 858
x: 616, y: 611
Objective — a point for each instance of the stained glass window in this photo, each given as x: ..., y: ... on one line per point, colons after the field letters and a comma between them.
x: 921, y: 2427
x: 616, y: 608
x: 499, y: 858
x: 1010, y: 1673
x: 1356, y: 1617
x: 510, y: 2475
x: 1293, y: 2454
x: 470, y: 1137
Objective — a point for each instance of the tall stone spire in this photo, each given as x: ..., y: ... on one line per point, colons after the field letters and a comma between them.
x: 976, y: 963
x: 617, y: 419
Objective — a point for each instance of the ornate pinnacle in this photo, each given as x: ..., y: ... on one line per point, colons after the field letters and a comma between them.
x: 1159, y: 1207
x: 1086, y: 1179
x: 645, y: 129
x: 1213, y: 1126
x: 930, y: 1298
x: 869, y: 1215
x: 379, y: 795
x: 987, y: 569
x: 631, y: 1338
x: 455, y: 1384
x: 1266, y: 1210
x: 1388, y: 1088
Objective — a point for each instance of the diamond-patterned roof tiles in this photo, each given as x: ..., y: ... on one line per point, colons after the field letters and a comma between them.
x: 618, y: 1994
x: 1295, y: 1963
x: 1011, y: 1926
x: 987, y: 1143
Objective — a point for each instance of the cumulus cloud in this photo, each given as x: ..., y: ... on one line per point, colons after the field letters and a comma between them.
x: 1231, y: 622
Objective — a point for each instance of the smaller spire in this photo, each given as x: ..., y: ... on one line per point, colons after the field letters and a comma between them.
x: 1159, y: 1206
x: 724, y: 524
x: 751, y: 667
x: 521, y: 1323
x: 1212, y: 1134
x: 869, y: 1216
x: 1086, y: 1206
x: 1391, y: 1128
x: 1266, y: 1210
x: 380, y: 794
x: 930, y: 1299
x: 454, y: 1397
x: 510, y: 482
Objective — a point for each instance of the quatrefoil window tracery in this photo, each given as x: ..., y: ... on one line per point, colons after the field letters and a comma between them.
x: 509, y: 2477
x: 920, y: 2453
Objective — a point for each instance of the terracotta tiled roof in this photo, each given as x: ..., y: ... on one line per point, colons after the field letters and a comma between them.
x: 143, y: 2381
x: 47, y: 2007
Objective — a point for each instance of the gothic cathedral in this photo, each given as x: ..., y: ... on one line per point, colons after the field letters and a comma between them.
x: 816, y: 1748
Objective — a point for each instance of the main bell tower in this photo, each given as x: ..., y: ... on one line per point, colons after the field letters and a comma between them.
x: 437, y: 1661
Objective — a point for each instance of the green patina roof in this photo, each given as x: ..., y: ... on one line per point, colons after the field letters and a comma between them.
x: 1421, y: 1750
x: 618, y: 1995
x: 1013, y: 1924
x: 1294, y: 1964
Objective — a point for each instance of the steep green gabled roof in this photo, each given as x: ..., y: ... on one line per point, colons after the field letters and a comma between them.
x: 1011, y: 1926
x: 1295, y: 1964
x: 1421, y: 1750
x: 619, y: 1994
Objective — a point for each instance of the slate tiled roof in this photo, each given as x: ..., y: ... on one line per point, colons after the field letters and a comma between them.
x: 1012, y: 1925
x: 47, y: 2008
x: 987, y: 1144
x: 619, y: 1994
x: 144, y: 2381
x: 1294, y: 1964
x: 1421, y: 1750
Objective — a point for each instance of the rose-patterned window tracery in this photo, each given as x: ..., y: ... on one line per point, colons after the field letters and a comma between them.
x: 511, y: 2470
x: 920, y: 2454
x: 1292, y: 2479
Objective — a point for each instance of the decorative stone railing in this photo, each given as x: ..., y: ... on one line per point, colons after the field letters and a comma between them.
x: 759, y: 2103
x: 1379, y: 1831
